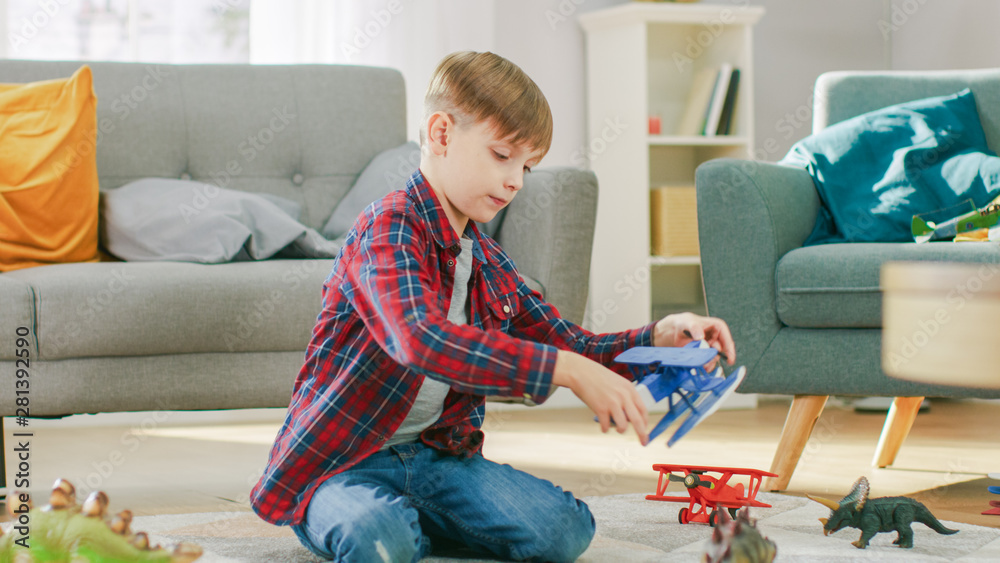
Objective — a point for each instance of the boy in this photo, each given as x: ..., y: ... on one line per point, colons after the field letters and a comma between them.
x: 379, y: 456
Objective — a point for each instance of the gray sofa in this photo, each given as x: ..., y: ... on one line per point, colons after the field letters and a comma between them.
x: 807, y: 320
x: 133, y: 336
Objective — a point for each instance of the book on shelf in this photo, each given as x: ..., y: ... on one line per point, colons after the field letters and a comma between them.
x: 713, y: 114
x: 692, y: 121
x: 729, y: 106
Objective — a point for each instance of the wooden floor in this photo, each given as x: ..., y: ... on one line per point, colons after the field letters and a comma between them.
x: 161, y: 463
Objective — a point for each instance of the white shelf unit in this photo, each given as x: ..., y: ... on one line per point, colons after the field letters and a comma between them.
x: 641, y: 61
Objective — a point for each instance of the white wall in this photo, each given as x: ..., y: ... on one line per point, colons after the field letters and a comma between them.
x: 794, y: 43
x: 797, y: 40
x: 944, y: 34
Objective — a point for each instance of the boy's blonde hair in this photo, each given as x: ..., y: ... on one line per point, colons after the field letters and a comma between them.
x: 474, y: 87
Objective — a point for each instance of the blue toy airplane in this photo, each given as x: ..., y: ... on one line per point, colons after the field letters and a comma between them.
x: 678, y: 376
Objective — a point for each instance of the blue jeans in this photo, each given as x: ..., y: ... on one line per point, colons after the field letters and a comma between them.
x: 399, y: 503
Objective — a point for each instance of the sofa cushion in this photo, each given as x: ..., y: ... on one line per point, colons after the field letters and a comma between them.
x: 150, y: 308
x: 837, y: 285
x: 153, y: 308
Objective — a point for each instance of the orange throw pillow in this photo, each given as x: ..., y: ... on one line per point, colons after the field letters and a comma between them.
x: 48, y: 172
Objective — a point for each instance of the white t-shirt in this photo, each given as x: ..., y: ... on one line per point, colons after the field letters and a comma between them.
x: 429, y: 404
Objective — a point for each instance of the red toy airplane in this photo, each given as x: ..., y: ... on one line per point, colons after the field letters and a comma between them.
x: 707, y: 493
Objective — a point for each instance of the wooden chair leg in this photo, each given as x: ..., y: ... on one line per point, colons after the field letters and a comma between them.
x: 802, y: 416
x: 901, y: 415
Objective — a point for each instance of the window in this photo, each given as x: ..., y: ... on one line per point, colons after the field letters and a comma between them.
x: 164, y: 31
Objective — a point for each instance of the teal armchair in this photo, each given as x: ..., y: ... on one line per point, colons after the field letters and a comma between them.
x: 807, y: 320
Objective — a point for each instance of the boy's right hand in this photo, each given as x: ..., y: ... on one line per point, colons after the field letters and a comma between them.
x: 612, y: 397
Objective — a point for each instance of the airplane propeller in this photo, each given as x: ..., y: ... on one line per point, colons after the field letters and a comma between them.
x: 690, y: 480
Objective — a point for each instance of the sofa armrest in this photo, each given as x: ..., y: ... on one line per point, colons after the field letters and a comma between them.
x: 750, y: 214
x: 549, y: 233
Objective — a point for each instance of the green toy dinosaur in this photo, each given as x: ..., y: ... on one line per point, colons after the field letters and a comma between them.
x: 64, y: 532
x: 872, y: 516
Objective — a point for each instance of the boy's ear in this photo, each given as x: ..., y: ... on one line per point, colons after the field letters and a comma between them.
x: 439, y: 130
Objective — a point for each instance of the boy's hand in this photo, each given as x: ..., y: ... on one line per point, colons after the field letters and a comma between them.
x: 612, y: 397
x: 679, y: 329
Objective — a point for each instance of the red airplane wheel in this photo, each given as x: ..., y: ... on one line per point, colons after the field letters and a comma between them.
x: 684, y: 516
x: 713, y: 518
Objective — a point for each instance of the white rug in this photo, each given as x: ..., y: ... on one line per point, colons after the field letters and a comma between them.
x: 629, y: 528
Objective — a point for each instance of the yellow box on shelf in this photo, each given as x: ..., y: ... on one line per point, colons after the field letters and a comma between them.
x: 673, y: 221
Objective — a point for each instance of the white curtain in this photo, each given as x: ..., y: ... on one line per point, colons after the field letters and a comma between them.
x: 3, y: 29
x: 408, y: 35
x: 420, y: 33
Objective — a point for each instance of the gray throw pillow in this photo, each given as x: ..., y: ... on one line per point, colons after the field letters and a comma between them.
x: 293, y: 209
x: 386, y: 173
x: 186, y: 221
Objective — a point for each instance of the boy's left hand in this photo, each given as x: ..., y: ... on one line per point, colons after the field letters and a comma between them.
x: 679, y: 329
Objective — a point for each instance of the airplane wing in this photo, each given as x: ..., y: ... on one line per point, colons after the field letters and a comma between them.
x: 706, y: 469
x: 677, y: 357
x: 721, y: 493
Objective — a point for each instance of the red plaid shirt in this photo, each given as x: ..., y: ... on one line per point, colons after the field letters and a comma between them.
x: 384, y: 325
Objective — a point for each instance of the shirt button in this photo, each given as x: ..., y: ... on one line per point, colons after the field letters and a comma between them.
x: 451, y: 262
x: 506, y: 308
x: 297, y: 179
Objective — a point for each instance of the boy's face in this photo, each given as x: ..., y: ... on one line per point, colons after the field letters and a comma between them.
x: 474, y: 173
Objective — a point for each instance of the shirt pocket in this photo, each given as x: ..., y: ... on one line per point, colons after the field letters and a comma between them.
x: 503, y: 303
